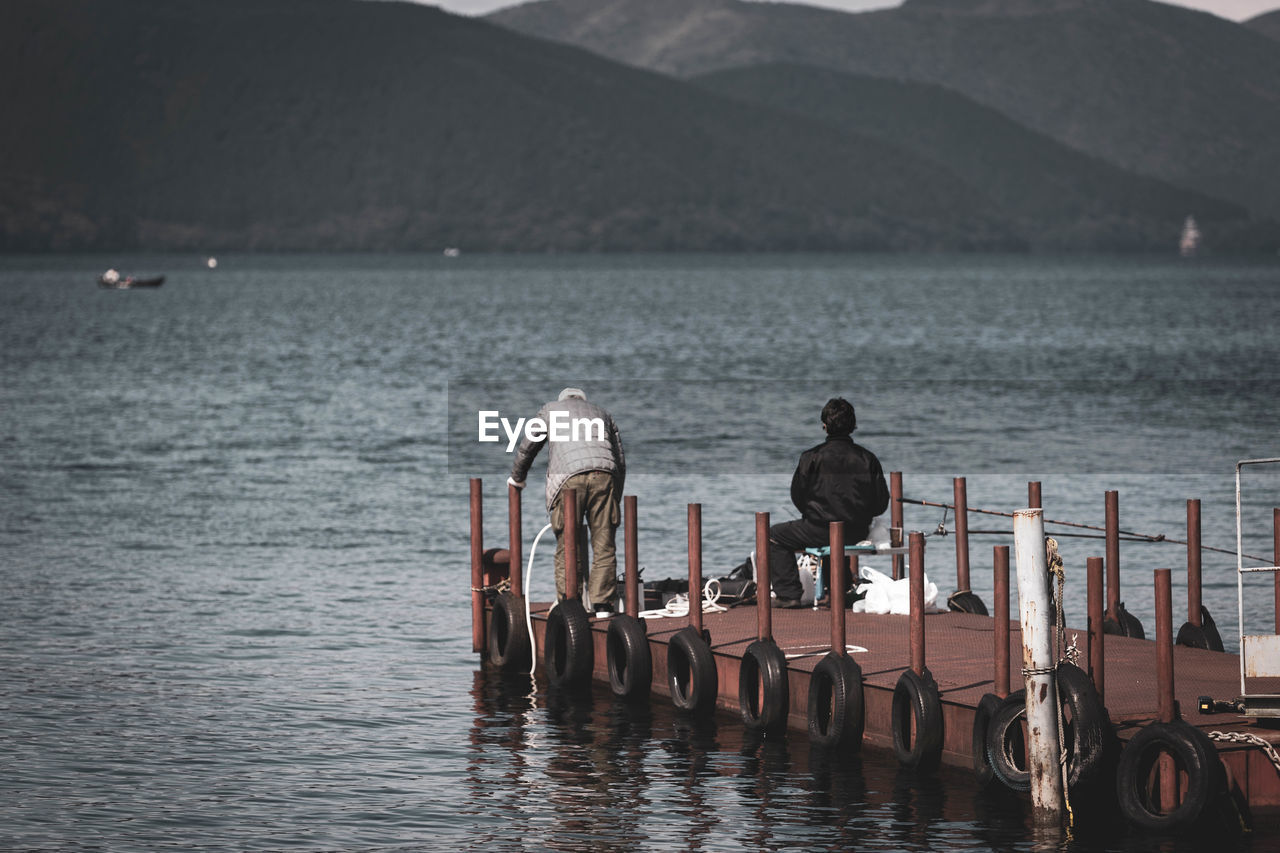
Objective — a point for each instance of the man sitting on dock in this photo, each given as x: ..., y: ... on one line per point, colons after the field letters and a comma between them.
x: 836, y: 481
x: 590, y: 462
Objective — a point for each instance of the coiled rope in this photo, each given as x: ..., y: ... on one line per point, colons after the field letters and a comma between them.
x: 1057, y: 568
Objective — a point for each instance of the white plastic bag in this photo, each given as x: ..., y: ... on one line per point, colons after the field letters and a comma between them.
x: 883, y: 594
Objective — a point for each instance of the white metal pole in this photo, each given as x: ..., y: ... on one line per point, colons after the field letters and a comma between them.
x: 1037, y: 666
x: 1239, y: 580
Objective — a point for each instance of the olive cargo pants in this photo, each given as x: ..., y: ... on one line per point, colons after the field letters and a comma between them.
x: 598, y: 504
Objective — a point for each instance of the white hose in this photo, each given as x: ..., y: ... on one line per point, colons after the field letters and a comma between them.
x: 849, y: 648
x: 528, y: 620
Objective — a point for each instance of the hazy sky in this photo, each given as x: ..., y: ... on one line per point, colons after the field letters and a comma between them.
x: 1237, y: 10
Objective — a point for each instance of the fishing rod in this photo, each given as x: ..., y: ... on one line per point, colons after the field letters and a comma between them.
x: 1057, y: 535
x: 1126, y: 535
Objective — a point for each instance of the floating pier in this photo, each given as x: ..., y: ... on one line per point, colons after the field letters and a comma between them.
x: 932, y: 687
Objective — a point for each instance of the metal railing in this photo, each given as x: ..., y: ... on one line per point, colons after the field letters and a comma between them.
x: 1265, y: 645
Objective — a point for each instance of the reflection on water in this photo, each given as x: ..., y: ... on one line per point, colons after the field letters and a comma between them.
x: 586, y: 771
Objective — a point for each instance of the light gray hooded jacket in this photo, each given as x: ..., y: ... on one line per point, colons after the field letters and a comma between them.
x: 589, y: 452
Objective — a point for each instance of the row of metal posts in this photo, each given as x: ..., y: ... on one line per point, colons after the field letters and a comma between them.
x: 515, y: 550
x: 1112, y: 561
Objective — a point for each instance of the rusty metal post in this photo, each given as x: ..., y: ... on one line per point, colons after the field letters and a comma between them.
x: 1113, y: 554
x: 571, y: 523
x: 962, y: 532
x: 1164, y: 680
x: 1001, y: 592
x: 1097, y: 637
x: 895, y: 519
x: 1193, y: 562
x: 630, y: 541
x: 1164, y: 643
x: 515, y: 544
x: 1033, y: 494
x: 916, y: 568
x: 1038, y: 666
x: 836, y: 540
x: 764, y: 581
x: 477, y: 572
x: 695, y: 566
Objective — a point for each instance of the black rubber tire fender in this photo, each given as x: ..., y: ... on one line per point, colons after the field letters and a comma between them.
x: 1193, y: 752
x: 916, y: 700
x: 508, y: 633
x: 966, y: 601
x: 1085, y: 732
x: 1192, y: 636
x: 630, y: 661
x: 1124, y: 625
x: 569, y: 651
x: 1006, y: 742
x: 837, y: 714
x: 1210, y: 630
x: 691, y: 672
x: 764, y: 691
x: 987, y: 707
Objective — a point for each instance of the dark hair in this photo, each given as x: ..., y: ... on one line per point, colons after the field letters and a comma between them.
x: 838, y: 417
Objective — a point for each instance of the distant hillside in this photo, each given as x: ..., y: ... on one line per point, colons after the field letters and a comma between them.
x: 327, y: 124
x: 1033, y: 178
x: 1155, y: 89
x: 342, y: 125
x: 1268, y: 24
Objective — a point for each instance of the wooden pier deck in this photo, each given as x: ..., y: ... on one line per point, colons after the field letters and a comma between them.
x: 959, y: 652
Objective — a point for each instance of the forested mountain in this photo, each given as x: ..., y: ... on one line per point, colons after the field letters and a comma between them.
x: 329, y: 124
x: 1059, y: 198
x: 1152, y: 88
x: 342, y: 125
x: 1268, y: 24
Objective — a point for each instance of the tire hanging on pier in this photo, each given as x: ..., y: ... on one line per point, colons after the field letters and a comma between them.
x: 1202, y: 636
x: 966, y: 601
x: 569, y: 655
x: 630, y: 662
x: 508, y: 633
x: 837, y: 715
x: 982, y: 715
x: 916, y: 700
x: 1125, y: 624
x: 764, y: 694
x: 1086, y: 726
x: 1085, y: 733
x: 1210, y: 630
x: 1193, y: 754
x: 691, y: 672
x: 1007, y: 743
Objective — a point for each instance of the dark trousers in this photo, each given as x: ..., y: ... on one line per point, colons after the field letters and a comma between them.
x: 788, y: 537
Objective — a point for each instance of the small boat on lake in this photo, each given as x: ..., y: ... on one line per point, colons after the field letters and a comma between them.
x: 113, y: 280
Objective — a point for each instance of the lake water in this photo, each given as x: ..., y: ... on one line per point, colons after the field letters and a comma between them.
x: 233, y: 522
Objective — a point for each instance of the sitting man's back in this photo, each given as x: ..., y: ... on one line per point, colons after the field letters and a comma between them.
x: 837, y: 480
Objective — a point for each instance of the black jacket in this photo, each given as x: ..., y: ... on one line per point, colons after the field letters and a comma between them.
x: 840, y: 481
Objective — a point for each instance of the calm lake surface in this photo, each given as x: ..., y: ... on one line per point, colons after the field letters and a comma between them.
x: 233, y: 523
